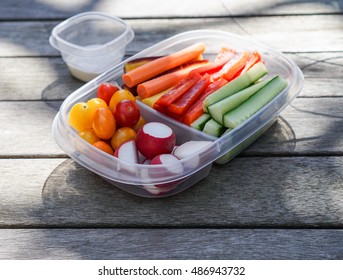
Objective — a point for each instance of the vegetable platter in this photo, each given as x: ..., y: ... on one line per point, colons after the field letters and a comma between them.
x: 214, y: 136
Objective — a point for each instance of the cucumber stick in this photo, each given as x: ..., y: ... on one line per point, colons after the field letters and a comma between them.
x: 218, y: 109
x: 213, y: 128
x: 200, y: 122
x: 242, y: 81
x: 256, y: 102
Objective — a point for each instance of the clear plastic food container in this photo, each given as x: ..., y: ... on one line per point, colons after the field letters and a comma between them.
x: 142, y: 179
x: 90, y: 43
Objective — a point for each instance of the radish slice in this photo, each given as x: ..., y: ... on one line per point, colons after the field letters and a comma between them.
x: 152, y: 188
x: 190, y: 148
x: 127, y: 152
x: 170, y: 165
x: 156, y: 191
x: 154, y: 139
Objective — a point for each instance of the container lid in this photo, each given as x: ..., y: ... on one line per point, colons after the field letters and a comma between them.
x: 59, y: 39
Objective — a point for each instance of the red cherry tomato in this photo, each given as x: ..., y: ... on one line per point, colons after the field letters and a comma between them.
x: 106, y: 90
x: 127, y: 113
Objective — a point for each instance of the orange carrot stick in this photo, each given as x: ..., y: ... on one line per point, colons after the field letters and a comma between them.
x: 254, y: 57
x: 233, y: 66
x: 160, y: 65
x: 163, y: 82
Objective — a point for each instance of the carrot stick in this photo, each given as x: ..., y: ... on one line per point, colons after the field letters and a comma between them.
x: 223, y: 57
x: 223, y: 53
x: 233, y: 66
x: 196, y: 110
x: 163, y: 82
x: 160, y: 65
x: 254, y: 57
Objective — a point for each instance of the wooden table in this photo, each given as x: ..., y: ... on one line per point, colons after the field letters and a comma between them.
x: 282, y: 198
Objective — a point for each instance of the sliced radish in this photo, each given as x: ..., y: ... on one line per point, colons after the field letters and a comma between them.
x: 127, y: 152
x: 154, y: 139
x: 170, y: 165
x: 146, y: 161
x: 141, y: 158
x: 190, y: 148
x: 152, y: 188
x: 156, y: 191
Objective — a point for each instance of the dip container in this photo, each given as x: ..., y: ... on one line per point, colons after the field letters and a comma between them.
x: 142, y: 179
x: 90, y: 43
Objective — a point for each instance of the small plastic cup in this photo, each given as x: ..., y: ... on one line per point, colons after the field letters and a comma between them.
x: 90, y: 43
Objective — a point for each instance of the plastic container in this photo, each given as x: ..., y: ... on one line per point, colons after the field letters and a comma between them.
x: 141, y: 179
x: 91, y: 43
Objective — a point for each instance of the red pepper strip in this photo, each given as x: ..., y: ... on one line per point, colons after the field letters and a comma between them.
x: 223, y: 57
x: 180, y: 105
x: 254, y: 57
x: 196, y: 110
x: 179, y: 89
x: 176, y: 117
x: 233, y: 66
x: 160, y: 108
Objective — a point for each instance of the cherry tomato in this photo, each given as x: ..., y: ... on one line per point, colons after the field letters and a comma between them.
x: 89, y: 136
x: 127, y: 113
x: 122, y: 135
x: 96, y: 103
x: 139, y: 124
x: 104, y: 124
x: 80, y: 116
x: 103, y: 146
x: 105, y: 91
x: 119, y: 96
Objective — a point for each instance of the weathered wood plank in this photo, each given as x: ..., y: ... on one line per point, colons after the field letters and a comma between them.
x: 22, y: 9
x: 46, y: 78
x: 300, y: 192
x: 26, y: 126
x: 310, y: 126
x: 286, y: 33
x: 206, y: 244
x: 40, y: 79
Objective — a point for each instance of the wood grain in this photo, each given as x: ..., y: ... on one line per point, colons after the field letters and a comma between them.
x: 153, y: 8
x: 30, y: 38
x: 248, y: 192
x: 178, y: 244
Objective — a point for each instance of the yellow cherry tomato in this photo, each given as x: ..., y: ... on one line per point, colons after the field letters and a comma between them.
x: 122, y: 135
x: 96, y: 103
x: 139, y: 124
x: 80, y: 116
x: 89, y: 136
x: 119, y: 96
